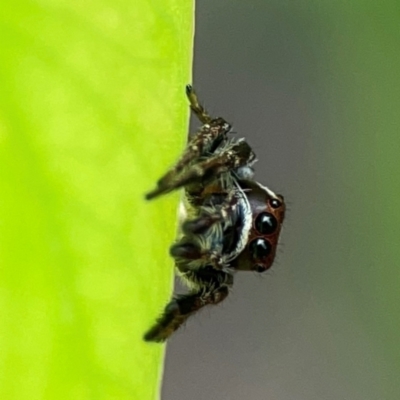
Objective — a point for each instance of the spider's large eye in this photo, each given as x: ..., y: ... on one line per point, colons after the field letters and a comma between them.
x: 260, y: 249
x: 266, y: 223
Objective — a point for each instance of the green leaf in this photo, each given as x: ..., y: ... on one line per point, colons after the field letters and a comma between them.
x: 92, y: 111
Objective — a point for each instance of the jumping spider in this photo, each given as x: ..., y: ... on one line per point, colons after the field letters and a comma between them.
x: 232, y: 222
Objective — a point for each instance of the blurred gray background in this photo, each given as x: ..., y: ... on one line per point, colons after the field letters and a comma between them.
x: 291, y: 78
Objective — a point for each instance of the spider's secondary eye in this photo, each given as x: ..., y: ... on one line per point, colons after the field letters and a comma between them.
x: 266, y: 223
x: 275, y: 203
x: 260, y: 249
x: 259, y: 268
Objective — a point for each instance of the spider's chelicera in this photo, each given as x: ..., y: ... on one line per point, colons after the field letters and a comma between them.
x: 231, y: 221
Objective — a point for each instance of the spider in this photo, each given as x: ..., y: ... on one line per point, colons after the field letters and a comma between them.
x: 232, y: 222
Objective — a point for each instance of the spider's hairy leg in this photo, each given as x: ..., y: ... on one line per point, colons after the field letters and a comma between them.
x: 206, y: 238
x: 188, y: 251
x: 219, y: 208
x: 196, y: 107
x: 201, y: 173
x: 212, y: 288
x: 200, y: 224
x: 205, y: 141
x: 232, y: 157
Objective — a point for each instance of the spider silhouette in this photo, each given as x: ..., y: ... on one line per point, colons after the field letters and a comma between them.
x: 231, y: 221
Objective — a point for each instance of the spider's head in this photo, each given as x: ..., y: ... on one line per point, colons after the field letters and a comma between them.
x: 268, y: 211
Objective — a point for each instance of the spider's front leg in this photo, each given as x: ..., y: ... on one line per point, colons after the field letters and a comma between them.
x: 211, y: 135
x: 211, y: 287
x: 203, y: 143
x: 196, y: 106
x: 197, y: 175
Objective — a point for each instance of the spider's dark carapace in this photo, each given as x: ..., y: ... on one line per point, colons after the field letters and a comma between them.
x: 231, y: 221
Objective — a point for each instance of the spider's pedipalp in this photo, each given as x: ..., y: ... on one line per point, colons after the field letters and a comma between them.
x: 201, y: 224
x: 212, y: 237
x: 216, y: 209
x: 190, y: 254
